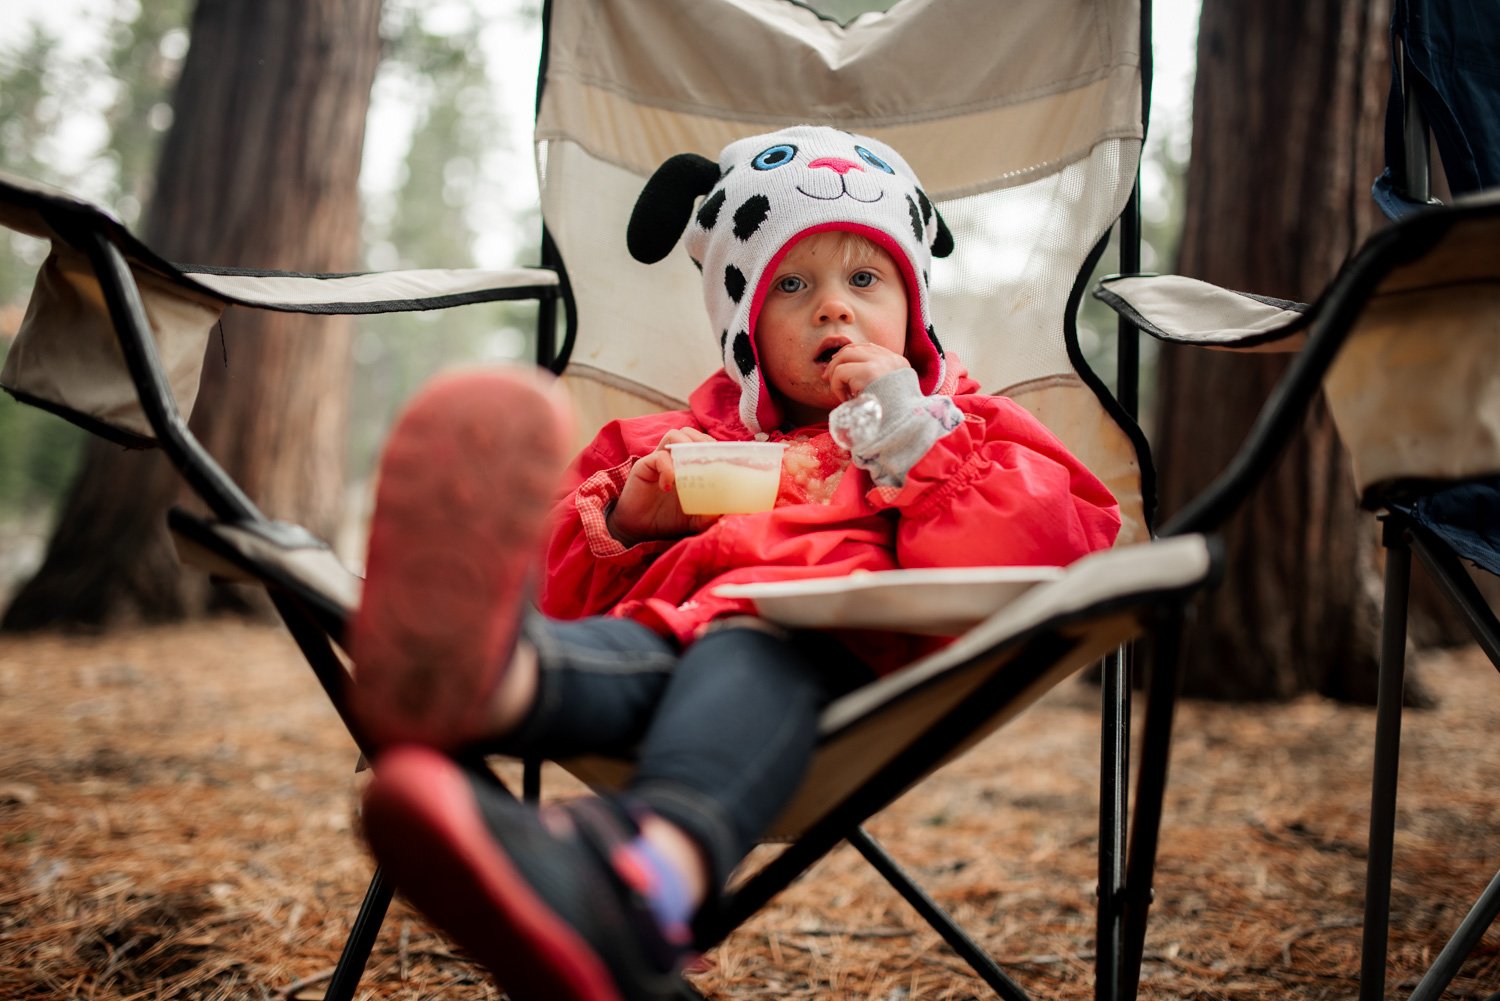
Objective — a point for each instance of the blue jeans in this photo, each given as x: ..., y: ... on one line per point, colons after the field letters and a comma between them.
x: 723, y: 731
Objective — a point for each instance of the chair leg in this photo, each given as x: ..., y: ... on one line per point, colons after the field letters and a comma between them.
x: 940, y: 920
x: 351, y: 965
x: 1387, y: 764
x: 1474, y: 925
x: 1457, y: 585
x: 1150, y: 791
x: 1114, y: 790
x: 531, y: 781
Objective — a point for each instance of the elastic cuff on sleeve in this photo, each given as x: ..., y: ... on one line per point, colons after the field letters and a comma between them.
x: 909, y: 424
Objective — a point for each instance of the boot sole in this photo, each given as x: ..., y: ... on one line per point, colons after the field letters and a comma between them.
x: 467, y: 480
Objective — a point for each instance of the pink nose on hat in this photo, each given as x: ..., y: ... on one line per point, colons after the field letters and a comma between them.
x: 835, y: 163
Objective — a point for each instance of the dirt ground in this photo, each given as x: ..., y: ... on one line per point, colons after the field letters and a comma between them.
x: 176, y: 813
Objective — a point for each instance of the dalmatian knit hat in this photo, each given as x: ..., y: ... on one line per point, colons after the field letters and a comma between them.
x: 766, y: 193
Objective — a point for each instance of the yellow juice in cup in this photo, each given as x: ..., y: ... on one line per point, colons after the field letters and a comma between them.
x: 727, y: 477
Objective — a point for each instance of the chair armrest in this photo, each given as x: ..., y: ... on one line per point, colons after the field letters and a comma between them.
x: 1182, y: 310
x: 99, y: 277
x: 275, y: 554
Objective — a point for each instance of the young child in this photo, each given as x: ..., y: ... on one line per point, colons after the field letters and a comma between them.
x: 815, y: 247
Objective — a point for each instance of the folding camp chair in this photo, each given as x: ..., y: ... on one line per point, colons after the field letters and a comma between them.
x: 1403, y: 343
x: 1412, y: 391
x: 1029, y: 144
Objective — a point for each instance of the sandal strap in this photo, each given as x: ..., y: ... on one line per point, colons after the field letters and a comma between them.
x: 606, y: 828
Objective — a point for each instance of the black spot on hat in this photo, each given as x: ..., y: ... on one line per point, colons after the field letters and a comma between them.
x: 697, y: 264
x: 926, y: 205
x: 744, y: 354
x: 916, y: 218
x: 734, y: 282
x: 749, y: 216
x: 932, y: 336
x: 708, y: 214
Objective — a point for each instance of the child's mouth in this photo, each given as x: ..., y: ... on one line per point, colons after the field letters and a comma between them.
x: 829, y: 348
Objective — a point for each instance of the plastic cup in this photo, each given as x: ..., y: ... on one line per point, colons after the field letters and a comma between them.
x: 727, y: 477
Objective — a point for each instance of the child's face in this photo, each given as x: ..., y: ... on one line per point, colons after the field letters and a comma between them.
x: 822, y: 298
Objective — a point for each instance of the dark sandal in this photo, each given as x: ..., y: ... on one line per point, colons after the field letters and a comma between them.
x: 535, y: 898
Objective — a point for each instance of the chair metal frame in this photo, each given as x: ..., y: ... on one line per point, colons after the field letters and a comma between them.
x: 1127, y: 853
x: 1401, y: 536
x: 316, y: 626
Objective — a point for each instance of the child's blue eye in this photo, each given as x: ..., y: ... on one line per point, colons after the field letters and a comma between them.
x: 776, y: 156
x: 862, y: 279
x: 871, y: 159
x: 790, y: 283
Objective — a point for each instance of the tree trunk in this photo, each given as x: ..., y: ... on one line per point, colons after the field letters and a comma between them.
x: 259, y: 169
x: 1286, y: 141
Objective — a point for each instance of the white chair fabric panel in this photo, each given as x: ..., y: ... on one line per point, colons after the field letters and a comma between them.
x: 396, y: 289
x: 1022, y: 119
x: 972, y: 92
x: 1415, y: 391
x: 642, y: 326
x: 1001, y: 296
x: 66, y: 353
x: 1184, y: 310
x: 999, y: 299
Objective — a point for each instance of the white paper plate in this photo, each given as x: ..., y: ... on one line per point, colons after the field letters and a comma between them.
x: 943, y: 602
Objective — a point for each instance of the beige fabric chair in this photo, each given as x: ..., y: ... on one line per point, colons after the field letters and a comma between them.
x: 1412, y: 386
x: 1404, y: 346
x: 1027, y: 143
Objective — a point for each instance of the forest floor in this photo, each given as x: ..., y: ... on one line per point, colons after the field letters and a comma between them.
x: 176, y: 814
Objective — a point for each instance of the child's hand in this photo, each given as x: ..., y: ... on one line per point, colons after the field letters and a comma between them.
x: 855, y: 366
x: 648, y: 506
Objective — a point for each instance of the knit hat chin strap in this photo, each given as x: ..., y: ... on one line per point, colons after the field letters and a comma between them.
x: 765, y: 193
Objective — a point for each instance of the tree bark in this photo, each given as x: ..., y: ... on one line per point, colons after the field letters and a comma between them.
x: 259, y: 169
x: 1286, y: 141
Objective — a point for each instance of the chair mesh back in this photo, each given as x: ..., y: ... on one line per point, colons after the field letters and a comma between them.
x: 1022, y: 120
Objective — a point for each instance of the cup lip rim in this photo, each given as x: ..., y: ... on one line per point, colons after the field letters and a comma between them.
x: 734, y: 444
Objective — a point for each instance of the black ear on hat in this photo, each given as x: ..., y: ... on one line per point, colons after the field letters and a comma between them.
x: 942, y: 244
x: 665, y: 205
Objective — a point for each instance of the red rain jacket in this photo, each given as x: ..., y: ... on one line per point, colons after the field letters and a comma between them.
x: 999, y: 490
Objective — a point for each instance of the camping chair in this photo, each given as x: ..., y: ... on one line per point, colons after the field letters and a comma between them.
x: 1402, y: 343
x: 1029, y: 145
x: 1413, y: 392
x: 1439, y: 91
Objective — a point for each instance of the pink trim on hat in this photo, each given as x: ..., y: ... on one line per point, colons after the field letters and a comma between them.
x: 767, y: 414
